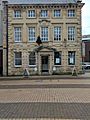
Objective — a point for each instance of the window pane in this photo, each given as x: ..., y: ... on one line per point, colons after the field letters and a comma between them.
x: 57, y: 33
x: 57, y: 13
x: 71, y: 57
x: 18, y: 62
x: 44, y: 33
x: 17, y: 34
x: 57, y: 58
x: 31, y: 13
x: 17, y: 13
x: 32, y: 58
x: 31, y: 31
x: 18, y: 58
x: 71, y: 33
x: 44, y: 13
x: 71, y: 13
x: 18, y: 55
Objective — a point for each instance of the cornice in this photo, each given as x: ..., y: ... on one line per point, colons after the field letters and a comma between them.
x: 48, y: 6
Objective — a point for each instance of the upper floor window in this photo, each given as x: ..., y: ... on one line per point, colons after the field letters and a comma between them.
x: 71, y: 33
x: 57, y: 58
x: 71, y: 58
x: 57, y: 13
x: 31, y: 31
x: 44, y: 13
x: 32, y: 58
x: 31, y: 13
x: 57, y: 33
x: 17, y: 34
x: 44, y: 33
x: 17, y: 13
x: 17, y: 58
x: 71, y: 13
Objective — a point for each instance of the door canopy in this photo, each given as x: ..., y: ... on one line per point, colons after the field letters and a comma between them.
x: 37, y: 49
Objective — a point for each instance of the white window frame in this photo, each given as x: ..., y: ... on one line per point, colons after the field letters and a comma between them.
x: 44, y: 14
x: 31, y: 34
x: 44, y: 34
x: 71, y: 57
x: 33, y: 58
x: 17, y: 34
x: 71, y: 33
x: 57, y: 59
x: 17, y: 59
x: 17, y: 13
x: 71, y: 13
x: 57, y: 13
x: 31, y: 14
x: 57, y: 32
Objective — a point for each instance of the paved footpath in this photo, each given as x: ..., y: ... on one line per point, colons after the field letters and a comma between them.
x: 56, y: 99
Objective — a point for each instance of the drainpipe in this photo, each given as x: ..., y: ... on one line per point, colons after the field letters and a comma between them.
x: 7, y: 36
x: 5, y: 13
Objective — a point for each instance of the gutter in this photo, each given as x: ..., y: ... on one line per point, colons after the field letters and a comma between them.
x: 7, y: 37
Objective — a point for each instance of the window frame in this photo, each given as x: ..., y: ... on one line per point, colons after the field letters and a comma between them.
x: 32, y: 65
x: 71, y: 33
x: 54, y: 33
x: 31, y: 14
x: 71, y: 13
x: 72, y: 56
x: 16, y: 13
x: 17, y: 33
x: 55, y: 15
x: 59, y: 58
x: 45, y: 34
x: 32, y: 35
x: 44, y: 15
x: 17, y: 59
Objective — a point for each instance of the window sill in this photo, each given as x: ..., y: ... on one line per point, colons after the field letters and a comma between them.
x: 18, y: 18
x: 17, y: 66
x: 45, y: 41
x: 71, y: 65
x: 57, y: 65
x: 17, y: 41
x: 57, y: 17
x: 31, y: 18
x: 55, y: 41
x: 32, y: 41
x: 44, y: 18
x: 70, y: 40
x: 71, y: 17
x: 32, y: 66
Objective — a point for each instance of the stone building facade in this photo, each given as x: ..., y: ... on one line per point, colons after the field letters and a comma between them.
x: 44, y: 37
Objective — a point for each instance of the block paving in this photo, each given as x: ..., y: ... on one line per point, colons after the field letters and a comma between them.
x: 46, y: 100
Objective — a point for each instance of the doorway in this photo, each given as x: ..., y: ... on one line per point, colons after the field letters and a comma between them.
x: 1, y: 62
x: 44, y: 64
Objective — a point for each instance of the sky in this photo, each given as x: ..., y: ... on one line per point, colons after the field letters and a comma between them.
x: 86, y: 17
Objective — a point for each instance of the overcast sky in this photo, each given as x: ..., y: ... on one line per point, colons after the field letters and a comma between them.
x: 86, y: 17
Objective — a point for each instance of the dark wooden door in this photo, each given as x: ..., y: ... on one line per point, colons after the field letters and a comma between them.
x: 44, y: 63
x: 1, y: 62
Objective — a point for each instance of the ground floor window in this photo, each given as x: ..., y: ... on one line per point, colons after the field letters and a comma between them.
x: 17, y: 58
x: 57, y: 58
x: 32, y: 58
x: 71, y: 58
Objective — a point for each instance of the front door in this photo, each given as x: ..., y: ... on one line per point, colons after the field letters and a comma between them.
x: 1, y: 62
x: 44, y: 64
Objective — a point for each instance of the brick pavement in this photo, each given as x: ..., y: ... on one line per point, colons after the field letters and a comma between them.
x: 46, y: 100
x: 45, y: 110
